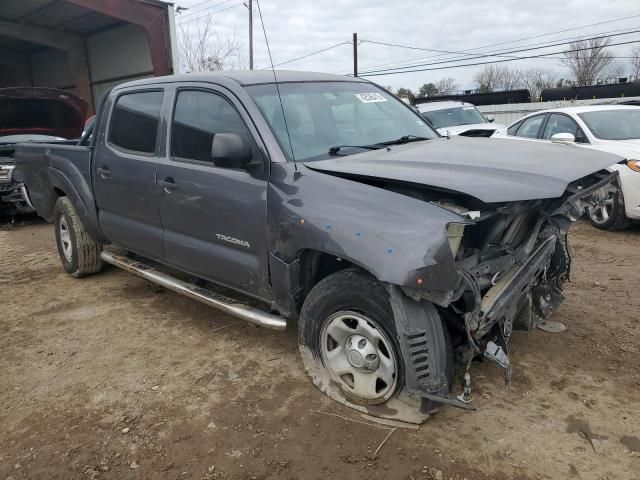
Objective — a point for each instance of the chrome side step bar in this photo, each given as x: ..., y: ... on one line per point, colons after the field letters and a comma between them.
x: 227, y: 305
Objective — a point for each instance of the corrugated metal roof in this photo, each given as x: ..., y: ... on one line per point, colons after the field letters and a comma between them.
x: 59, y: 15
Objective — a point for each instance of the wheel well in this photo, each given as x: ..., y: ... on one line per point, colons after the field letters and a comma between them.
x: 59, y: 192
x: 314, y: 266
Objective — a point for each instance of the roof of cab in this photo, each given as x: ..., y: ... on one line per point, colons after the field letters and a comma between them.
x: 245, y: 77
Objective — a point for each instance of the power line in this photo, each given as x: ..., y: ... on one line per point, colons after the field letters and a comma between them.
x: 210, y: 13
x: 499, y: 53
x: 520, y: 39
x: 489, y: 54
x: 309, y: 54
x: 203, y: 9
x: 493, y: 61
x: 563, y: 31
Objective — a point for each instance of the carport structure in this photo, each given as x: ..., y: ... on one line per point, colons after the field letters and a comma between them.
x: 86, y: 46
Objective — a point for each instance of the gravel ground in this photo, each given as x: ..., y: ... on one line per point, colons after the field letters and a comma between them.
x: 109, y: 377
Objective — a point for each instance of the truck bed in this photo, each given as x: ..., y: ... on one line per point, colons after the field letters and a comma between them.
x: 49, y: 169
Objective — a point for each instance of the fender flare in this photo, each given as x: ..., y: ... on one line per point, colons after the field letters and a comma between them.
x: 87, y: 213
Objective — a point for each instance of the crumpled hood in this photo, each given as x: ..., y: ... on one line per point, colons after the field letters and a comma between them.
x: 492, y: 170
x: 41, y: 111
x: 458, y: 129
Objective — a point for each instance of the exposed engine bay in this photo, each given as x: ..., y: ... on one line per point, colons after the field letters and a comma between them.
x: 513, y: 260
x: 13, y: 197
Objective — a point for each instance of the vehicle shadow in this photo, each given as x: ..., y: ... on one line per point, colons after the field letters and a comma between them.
x: 12, y: 222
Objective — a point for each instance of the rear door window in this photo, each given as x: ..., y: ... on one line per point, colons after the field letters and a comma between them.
x: 134, y: 121
x: 530, y: 127
x: 513, y: 128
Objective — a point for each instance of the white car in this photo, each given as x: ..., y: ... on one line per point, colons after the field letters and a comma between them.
x: 457, y: 118
x: 609, y: 128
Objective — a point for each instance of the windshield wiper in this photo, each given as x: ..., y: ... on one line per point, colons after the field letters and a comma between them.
x: 404, y: 139
x: 334, y: 150
x: 376, y: 146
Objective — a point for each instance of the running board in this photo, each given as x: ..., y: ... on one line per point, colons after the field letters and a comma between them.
x: 227, y: 305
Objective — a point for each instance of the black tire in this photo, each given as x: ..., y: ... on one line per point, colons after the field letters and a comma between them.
x: 352, y: 290
x: 79, y: 253
x: 617, y: 219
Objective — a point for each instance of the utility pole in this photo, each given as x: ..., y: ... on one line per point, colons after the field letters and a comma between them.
x: 250, y: 34
x: 355, y: 54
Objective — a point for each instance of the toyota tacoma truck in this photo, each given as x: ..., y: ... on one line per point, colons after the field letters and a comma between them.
x: 323, y: 201
x: 33, y: 114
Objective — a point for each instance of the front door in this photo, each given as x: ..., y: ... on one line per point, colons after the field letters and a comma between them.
x: 125, y: 174
x: 214, y: 218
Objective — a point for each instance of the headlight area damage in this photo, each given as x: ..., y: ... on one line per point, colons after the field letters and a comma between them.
x: 512, y: 261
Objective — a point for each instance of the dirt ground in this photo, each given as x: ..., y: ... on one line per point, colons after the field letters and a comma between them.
x: 107, y: 377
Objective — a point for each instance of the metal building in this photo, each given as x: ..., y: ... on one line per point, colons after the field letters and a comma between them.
x: 85, y: 46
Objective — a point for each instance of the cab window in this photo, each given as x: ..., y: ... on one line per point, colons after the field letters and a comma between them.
x: 197, y: 118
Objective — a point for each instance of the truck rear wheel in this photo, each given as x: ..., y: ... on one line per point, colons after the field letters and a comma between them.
x: 349, y: 346
x: 79, y: 253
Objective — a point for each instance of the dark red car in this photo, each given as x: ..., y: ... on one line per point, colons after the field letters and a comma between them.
x: 33, y: 114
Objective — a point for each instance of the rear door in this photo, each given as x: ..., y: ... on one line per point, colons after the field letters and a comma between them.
x: 125, y: 173
x: 214, y: 218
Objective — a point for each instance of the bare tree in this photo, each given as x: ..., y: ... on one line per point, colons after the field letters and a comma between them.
x: 494, y: 77
x: 509, y: 78
x: 445, y: 86
x: 486, y: 80
x: 635, y: 63
x: 590, y: 61
x: 537, y: 79
x: 203, y: 50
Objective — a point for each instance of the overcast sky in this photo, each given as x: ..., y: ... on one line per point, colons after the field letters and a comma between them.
x: 295, y: 28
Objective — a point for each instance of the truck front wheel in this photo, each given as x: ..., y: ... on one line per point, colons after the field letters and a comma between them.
x: 79, y: 253
x: 349, y: 346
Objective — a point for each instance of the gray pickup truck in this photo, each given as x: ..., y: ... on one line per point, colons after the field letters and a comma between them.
x: 326, y: 201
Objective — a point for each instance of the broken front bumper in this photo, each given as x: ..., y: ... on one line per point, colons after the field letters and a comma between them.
x: 500, y: 303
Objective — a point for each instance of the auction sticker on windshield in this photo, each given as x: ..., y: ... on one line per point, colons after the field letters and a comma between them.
x: 370, y: 97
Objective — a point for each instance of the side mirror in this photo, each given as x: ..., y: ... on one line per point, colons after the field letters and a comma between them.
x: 230, y: 150
x: 563, y: 138
x: 490, y: 118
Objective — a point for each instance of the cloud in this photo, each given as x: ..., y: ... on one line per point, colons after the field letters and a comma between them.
x: 295, y: 28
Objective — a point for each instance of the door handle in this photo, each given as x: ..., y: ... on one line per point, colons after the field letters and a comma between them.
x: 168, y: 184
x: 104, y: 172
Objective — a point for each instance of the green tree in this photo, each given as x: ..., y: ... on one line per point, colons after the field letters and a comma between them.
x: 406, y: 93
x: 428, y: 90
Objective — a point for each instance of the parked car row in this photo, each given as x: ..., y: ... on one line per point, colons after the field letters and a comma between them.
x: 457, y: 118
x: 332, y: 205
x: 606, y: 128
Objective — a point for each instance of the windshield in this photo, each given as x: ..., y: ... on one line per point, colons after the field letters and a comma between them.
x: 323, y: 115
x: 613, y: 124
x: 450, y: 117
x: 28, y: 138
